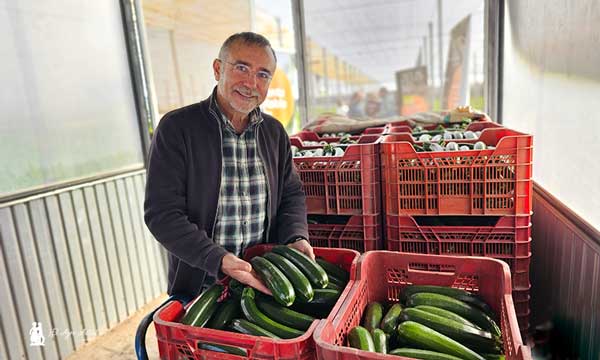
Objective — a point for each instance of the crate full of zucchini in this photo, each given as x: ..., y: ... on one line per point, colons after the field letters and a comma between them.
x: 235, y: 319
x: 425, y: 307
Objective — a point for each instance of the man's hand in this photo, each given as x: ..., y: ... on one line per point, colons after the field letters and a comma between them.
x: 242, y: 271
x: 304, y: 247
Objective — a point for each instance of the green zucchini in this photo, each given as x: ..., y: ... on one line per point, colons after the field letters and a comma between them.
x: 422, y: 354
x: 234, y: 350
x: 478, y: 340
x: 333, y: 286
x: 373, y: 315
x: 283, y: 314
x: 281, y: 288
x: 227, y: 311
x: 318, y: 311
x: 493, y: 357
x: 201, y: 310
x: 424, y: 337
x: 248, y: 328
x: 458, y: 307
x: 379, y: 341
x: 313, y: 271
x: 359, y: 338
x: 447, y: 314
x: 390, y: 320
x: 235, y: 288
x: 325, y: 296
x: 302, y: 286
x: 458, y: 294
x: 336, y: 281
x: 254, y: 315
x: 333, y: 270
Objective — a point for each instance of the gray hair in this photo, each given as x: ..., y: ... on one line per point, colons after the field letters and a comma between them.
x: 248, y: 38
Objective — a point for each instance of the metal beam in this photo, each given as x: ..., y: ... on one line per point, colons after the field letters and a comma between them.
x: 493, y: 57
x: 136, y: 50
x: 303, y: 69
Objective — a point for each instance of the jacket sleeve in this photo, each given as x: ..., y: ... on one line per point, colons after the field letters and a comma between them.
x: 291, y: 214
x: 165, y: 210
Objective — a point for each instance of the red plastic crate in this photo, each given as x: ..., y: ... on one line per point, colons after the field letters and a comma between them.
x: 298, y: 138
x: 374, y: 130
x: 179, y: 341
x: 475, y: 126
x: 472, y: 182
x: 358, y: 232
x: 343, y: 185
x: 508, y: 238
x: 521, y: 293
x: 383, y: 274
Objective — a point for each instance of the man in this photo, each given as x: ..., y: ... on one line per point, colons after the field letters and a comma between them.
x: 221, y: 176
x: 388, y: 103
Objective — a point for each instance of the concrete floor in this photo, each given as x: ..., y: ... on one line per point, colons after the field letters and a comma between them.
x: 118, y: 343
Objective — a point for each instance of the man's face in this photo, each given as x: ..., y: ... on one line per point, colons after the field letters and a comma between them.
x: 242, y: 91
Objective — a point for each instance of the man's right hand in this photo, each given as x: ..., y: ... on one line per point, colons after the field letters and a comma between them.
x: 242, y: 271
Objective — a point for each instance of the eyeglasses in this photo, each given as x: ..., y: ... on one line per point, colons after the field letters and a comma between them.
x: 244, y: 70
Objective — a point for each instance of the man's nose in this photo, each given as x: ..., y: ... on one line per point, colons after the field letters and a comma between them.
x: 251, y: 80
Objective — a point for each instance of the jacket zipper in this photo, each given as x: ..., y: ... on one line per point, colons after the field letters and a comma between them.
x: 267, y: 180
x: 220, y: 177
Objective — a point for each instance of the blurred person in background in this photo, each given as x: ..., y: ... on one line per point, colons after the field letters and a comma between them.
x: 387, y: 103
x: 356, y: 108
x: 372, y: 105
x: 341, y: 108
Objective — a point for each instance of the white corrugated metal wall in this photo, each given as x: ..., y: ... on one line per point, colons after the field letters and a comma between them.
x: 78, y: 260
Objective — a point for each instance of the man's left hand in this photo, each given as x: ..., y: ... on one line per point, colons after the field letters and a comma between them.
x: 304, y: 247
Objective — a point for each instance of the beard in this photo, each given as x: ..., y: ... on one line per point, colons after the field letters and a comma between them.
x: 245, y: 100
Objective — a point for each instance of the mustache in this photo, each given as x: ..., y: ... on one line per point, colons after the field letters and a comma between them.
x: 247, y: 91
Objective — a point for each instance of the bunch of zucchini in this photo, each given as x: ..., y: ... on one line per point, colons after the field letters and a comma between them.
x: 433, y: 323
x: 442, y: 145
x: 327, y: 150
x: 302, y: 291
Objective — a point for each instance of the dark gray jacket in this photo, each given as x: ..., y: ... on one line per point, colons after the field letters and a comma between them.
x: 182, y: 191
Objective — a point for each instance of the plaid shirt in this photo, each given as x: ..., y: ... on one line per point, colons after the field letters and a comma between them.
x: 242, y: 213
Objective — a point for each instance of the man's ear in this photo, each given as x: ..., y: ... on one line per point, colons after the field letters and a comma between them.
x: 217, y: 69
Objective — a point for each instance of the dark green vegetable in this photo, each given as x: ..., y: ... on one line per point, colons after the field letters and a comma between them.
x: 360, y: 338
x: 458, y: 294
x: 235, y: 288
x: 459, y: 307
x: 254, y: 315
x: 475, y: 339
x: 422, y: 354
x: 302, y: 286
x: 204, y: 306
x: 284, y: 315
x: 234, y: 350
x: 379, y: 341
x: 373, y: 315
x: 447, y: 314
x: 227, y: 311
x: 333, y: 270
x: 390, y: 320
x: 313, y: 271
x: 421, y: 336
x: 248, y: 328
x: 281, y: 288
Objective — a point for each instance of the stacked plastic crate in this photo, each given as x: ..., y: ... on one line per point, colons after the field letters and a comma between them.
x: 343, y: 191
x: 469, y: 202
